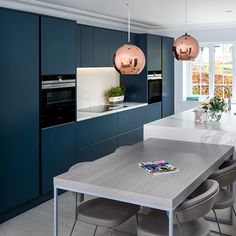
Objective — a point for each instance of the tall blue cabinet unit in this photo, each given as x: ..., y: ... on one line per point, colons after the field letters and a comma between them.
x: 58, y: 46
x: 168, y: 77
x: 58, y: 152
x: 19, y: 102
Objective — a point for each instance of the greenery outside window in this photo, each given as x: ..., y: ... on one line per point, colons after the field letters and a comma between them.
x: 212, y: 69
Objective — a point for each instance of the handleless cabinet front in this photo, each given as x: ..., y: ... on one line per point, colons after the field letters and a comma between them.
x: 58, y: 46
x: 19, y: 102
x: 58, y: 152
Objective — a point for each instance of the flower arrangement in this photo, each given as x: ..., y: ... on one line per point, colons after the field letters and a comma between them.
x: 214, y: 106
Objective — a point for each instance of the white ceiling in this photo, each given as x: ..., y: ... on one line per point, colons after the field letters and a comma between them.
x: 145, y: 14
x: 160, y: 13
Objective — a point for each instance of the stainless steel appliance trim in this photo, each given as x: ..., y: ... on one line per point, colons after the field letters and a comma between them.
x: 154, y: 78
x: 58, y: 81
x: 58, y: 85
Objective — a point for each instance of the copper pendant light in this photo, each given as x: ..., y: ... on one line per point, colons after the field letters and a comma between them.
x: 129, y: 59
x: 186, y: 47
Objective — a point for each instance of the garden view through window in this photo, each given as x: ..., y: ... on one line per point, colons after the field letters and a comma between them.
x: 212, y: 70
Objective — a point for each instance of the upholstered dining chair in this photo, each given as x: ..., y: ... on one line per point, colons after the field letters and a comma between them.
x: 188, y: 216
x: 100, y: 211
x: 225, y: 176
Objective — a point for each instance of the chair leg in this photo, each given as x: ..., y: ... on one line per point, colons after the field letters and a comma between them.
x: 217, y: 221
x: 180, y: 228
x: 76, y: 202
x: 136, y: 215
x: 234, y: 211
x: 95, y: 231
x: 109, y: 232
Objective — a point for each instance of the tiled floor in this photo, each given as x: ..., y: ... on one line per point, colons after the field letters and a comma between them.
x: 39, y: 222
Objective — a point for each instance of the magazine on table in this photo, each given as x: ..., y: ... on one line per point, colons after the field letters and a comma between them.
x: 158, y: 167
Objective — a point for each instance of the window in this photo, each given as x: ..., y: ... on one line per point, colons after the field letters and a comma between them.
x: 211, y: 71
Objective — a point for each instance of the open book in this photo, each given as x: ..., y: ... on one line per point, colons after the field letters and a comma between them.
x: 158, y: 167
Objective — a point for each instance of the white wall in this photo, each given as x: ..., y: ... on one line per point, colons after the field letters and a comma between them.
x: 92, y: 83
x: 206, y: 35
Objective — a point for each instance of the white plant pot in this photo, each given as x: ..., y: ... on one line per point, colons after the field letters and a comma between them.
x: 118, y: 99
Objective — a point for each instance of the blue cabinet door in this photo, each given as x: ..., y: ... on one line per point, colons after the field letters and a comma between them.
x: 19, y: 102
x: 101, y: 47
x: 153, y: 112
x: 153, y: 53
x: 58, y: 46
x: 98, y: 150
x: 131, y: 119
x: 131, y: 137
x: 58, y: 152
x: 86, y: 46
x: 168, y: 77
x: 116, y: 40
x: 95, y: 130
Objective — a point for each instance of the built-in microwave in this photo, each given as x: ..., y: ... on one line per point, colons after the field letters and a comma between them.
x: 154, y: 87
x: 58, y: 100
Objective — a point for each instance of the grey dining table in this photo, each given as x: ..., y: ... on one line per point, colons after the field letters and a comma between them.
x: 118, y: 176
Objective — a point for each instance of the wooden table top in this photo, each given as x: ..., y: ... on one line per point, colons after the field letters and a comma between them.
x: 118, y: 176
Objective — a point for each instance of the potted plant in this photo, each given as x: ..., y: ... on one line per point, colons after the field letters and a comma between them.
x: 214, y: 107
x: 115, y: 94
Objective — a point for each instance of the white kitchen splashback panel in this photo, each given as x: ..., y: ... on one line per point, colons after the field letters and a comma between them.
x: 92, y: 83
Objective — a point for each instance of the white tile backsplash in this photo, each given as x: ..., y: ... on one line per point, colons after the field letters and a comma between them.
x: 92, y: 83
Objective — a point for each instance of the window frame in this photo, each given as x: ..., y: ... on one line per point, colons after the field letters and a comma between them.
x: 187, y: 71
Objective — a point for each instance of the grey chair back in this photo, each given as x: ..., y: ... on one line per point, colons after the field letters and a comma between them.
x: 199, y: 203
x: 226, y: 174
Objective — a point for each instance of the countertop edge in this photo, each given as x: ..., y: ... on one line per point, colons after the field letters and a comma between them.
x: 94, y: 115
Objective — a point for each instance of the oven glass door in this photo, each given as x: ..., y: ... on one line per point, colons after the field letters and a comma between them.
x: 154, y: 91
x: 58, y: 106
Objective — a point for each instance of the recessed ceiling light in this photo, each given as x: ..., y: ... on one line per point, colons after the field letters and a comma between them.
x: 228, y: 11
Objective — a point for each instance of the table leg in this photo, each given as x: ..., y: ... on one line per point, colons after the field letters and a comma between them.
x: 55, y: 211
x: 171, y: 223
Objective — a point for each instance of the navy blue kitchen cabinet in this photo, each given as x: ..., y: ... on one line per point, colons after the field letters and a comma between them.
x: 58, y: 152
x: 116, y: 40
x: 101, y: 47
x: 19, y: 101
x: 131, y: 119
x: 152, y: 48
x: 137, y: 87
x: 58, y: 46
x: 154, y: 53
x: 153, y: 112
x: 168, y: 77
x: 86, y: 44
x: 97, y: 150
x: 131, y: 137
x: 94, y: 46
x: 92, y: 131
x: 96, y: 137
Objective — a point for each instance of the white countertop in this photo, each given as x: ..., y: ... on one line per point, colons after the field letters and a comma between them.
x: 181, y: 126
x: 88, y: 115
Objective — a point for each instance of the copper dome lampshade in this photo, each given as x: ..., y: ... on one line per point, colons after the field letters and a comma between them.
x: 186, y: 47
x: 129, y: 59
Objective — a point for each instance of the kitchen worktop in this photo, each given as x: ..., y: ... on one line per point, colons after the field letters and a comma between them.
x: 181, y: 126
x: 84, y: 115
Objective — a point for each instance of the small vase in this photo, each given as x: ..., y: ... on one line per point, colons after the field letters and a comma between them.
x: 214, y: 115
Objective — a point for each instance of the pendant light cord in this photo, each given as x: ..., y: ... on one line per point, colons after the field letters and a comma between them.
x: 129, y: 6
x: 186, y: 14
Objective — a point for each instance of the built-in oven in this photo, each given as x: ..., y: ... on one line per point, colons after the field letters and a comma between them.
x: 58, y: 100
x: 154, y: 87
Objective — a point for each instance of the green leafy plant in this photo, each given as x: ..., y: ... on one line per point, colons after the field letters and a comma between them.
x: 214, y: 104
x: 115, y: 92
